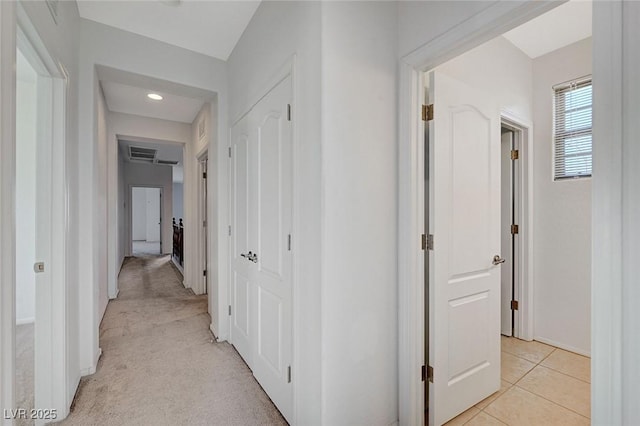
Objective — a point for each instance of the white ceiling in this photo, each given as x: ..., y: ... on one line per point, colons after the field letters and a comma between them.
x: 209, y: 27
x: 560, y: 27
x: 166, y: 151
x: 133, y: 100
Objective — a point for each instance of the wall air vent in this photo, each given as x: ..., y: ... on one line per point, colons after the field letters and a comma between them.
x: 137, y: 153
x: 167, y: 162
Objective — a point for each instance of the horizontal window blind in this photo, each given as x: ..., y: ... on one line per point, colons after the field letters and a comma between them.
x: 572, y: 132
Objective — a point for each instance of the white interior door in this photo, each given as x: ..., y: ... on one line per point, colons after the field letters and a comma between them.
x: 464, y: 283
x: 272, y: 153
x: 205, y: 216
x: 261, y: 282
x: 242, y: 332
x: 153, y: 214
x: 506, y: 205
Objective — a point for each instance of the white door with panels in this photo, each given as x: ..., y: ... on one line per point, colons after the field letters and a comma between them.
x: 261, y: 287
x: 464, y: 265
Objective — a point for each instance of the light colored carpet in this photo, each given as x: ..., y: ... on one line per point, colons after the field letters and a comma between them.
x: 159, y: 365
x: 24, y: 369
x: 143, y: 248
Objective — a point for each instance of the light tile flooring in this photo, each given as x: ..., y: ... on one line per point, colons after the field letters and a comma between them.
x: 541, y: 385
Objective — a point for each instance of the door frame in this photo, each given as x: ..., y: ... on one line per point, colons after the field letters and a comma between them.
x: 17, y: 31
x: 130, y: 215
x: 202, y: 238
x: 288, y: 69
x: 523, y: 261
x: 491, y: 22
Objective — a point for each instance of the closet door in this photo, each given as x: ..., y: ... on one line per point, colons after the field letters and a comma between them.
x: 273, y: 203
x: 261, y: 256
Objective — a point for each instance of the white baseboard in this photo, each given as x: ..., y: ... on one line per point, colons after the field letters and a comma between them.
x: 115, y: 295
x: 91, y: 370
x: 563, y: 346
x: 177, y: 265
x: 213, y: 330
x: 25, y: 321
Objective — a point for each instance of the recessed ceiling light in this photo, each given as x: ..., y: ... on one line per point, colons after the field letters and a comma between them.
x: 154, y: 96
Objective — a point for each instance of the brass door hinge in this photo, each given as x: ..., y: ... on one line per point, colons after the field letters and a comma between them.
x: 515, y: 154
x: 427, y: 112
x: 430, y: 373
x: 514, y: 305
x: 515, y: 229
x: 427, y: 242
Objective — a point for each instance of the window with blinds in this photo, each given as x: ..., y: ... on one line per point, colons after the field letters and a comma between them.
x: 572, y: 136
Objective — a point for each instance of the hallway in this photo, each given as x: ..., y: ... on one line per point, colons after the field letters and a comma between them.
x: 158, y: 365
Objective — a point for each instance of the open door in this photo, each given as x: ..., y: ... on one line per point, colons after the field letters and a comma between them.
x: 464, y: 265
x: 506, y: 231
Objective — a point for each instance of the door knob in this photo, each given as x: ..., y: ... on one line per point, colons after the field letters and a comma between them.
x: 498, y: 260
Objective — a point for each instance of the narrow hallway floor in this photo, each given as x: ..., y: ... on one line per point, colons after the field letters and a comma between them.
x: 541, y: 385
x: 159, y: 365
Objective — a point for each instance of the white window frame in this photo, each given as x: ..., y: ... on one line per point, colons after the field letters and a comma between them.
x: 560, y: 138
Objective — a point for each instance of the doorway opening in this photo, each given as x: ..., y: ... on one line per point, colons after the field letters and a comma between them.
x: 477, y: 220
x: 40, y: 222
x: 516, y: 229
x: 146, y: 221
x: 203, y: 219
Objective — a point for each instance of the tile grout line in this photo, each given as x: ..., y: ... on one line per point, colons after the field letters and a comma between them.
x: 553, y: 402
x: 539, y: 364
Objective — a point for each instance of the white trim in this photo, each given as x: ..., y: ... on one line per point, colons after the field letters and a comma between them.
x: 611, y: 119
x: 25, y: 321
x: 562, y: 346
x: 130, y: 216
x: 286, y: 70
x: 213, y: 331
x: 91, y: 370
x: 53, y: 85
x: 201, y: 255
x: 523, y: 327
x: 7, y: 204
x: 494, y: 20
x: 180, y: 268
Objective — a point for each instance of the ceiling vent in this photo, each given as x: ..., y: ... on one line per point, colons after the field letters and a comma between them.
x: 137, y: 153
x: 167, y: 162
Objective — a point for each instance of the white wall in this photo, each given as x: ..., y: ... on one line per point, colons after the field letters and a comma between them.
x: 153, y: 214
x: 562, y: 216
x: 132, y: 127
x: 108, y: 46
x: 102, y: 125
x: 200, y: 145
x: 139, y: 214
x: 137, y: 174
x: 500, y: 69
x: 26, y: 103
x: 359, y: 240
x: 277, y: 31
x: 422, y: 21
x: 178, y: 200
x: 62, y: 41
x: 121, y: 218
